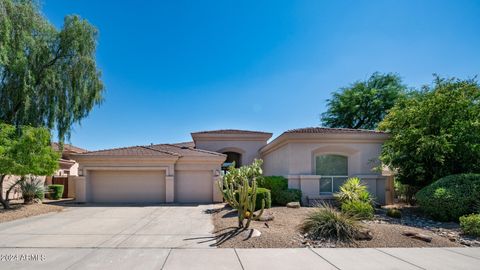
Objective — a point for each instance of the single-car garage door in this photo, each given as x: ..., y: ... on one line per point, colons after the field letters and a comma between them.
x: 193, y: 186
x: 127, y: 186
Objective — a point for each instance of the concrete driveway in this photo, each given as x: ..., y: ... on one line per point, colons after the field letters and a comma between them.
x: 93, y: 226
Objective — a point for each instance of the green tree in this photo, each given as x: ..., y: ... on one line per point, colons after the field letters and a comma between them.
x: 48, y: 77
x: 24, y: 152
x: 435, y: 132
x: 363, y: 104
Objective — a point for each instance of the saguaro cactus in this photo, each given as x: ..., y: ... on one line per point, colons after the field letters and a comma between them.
x: 242, y: 181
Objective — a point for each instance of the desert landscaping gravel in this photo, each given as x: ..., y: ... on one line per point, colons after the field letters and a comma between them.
x: 22, y: 211
x: 282, y: 232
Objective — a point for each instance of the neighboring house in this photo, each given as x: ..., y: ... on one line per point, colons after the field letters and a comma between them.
x: 67, y: 166
x: 315, y: 160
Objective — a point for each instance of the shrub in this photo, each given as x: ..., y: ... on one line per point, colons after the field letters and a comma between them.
x: 328, y: 223
x: 289, y: 195
x: 31, y: 189
x: 394, y: 213
x: 404, y: 192
x: 450, y: 197
x: 56, y: 191
x: 262, y: 194
x: 353, y: 190
x: 358, y: 209
x: 470, y: 224
x: 276, y: 184
x: 273, y: 182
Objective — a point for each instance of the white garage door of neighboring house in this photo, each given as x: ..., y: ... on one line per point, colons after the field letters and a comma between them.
x: 127, y: 186
x: 193, y: 186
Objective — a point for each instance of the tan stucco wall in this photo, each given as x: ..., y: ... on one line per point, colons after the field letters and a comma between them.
x: 16, y: 192
x: 193, y: 186
x: 298, y: 158
x: 295, y: 159
x: 74, y: 169
x: 248, y: 149
x: 277, y: 162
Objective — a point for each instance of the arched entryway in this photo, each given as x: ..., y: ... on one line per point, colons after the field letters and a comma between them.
x: 232, y: 157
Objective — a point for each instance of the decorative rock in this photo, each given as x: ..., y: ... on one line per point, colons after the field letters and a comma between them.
x: 364, y: 234
x: 252, y: 233
x: 418, y: 236
x: 268, y: 217
x: 293, y: 205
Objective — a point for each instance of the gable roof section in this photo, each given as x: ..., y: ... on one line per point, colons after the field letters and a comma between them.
x: 154, y: 150
x: 230, y: 134
x: 184, y: 150
x: 323, y: 134
x: 129, y: 151
x: 68, y: 147
x: 230, y: 131
x: 185, y: 144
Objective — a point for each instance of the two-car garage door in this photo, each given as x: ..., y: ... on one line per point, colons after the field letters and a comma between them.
x: 145, y: 186
x: 127, y: 186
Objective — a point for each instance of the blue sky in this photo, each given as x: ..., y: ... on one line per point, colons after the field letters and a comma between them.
x: 173, y: 67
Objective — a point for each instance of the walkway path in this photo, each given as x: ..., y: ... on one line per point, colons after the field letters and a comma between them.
x: 277, y: 259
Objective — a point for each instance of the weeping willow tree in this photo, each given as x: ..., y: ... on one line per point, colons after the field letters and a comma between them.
x: 48, y: 76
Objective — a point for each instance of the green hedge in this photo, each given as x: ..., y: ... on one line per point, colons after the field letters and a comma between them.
x: 450, y: 197
x: 57, y: 191
x: 262, y: 194
x: 290, y: 195
x: 278, y: 186
x: 273, y: 183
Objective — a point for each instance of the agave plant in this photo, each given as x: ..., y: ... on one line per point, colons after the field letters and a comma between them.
x: 31, y: 188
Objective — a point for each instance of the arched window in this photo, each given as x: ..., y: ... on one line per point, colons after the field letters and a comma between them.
x: 333, y: 171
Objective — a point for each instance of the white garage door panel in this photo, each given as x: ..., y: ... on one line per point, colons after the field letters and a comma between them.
x: 193, y: 186
x: 127, y: 186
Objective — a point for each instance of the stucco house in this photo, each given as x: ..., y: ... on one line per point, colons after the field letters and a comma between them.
x: 316, y: 160
x: 66, y: 167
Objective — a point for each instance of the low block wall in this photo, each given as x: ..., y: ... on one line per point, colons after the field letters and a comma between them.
x: 310, y: 186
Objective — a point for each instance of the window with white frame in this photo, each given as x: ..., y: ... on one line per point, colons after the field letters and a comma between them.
x: 333, y: 171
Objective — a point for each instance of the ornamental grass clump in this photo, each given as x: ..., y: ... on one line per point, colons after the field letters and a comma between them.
x: 358, y: 209
x: 328, y: 223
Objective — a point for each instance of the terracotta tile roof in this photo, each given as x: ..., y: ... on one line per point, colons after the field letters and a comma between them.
x: 230, y: 131
x: 183, y: 150
x: 128, y: 151
x: 185, y: 144
x: 68, y: 147
x: 333, y: 130
x: 154, y: 150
